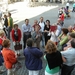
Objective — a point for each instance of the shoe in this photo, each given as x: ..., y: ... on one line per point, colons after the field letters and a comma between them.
x: 2, y: 71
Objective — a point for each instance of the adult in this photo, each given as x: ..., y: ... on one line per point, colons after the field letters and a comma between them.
x: 42, y: 24
x: 2, y: 37
x: 36, y: 36
x: 54, y: 59
x: 63, y: 38
x: 10, y: 25
x: 33, y: 56
x: 67, y: 5
x: 16, y: 36
x: 35, y: 24
x: 26, y: 29
x: 9, y: 57
x: 70, y: 29
x: 69, y: 54
x: 62, y: 18
x: 73, y: 10
x: 68, y: 44
x: 46, y: 31
x: 5, y: 24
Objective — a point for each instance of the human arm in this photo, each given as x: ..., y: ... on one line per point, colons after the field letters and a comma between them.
x: 12, y: 35
x: 12, y: 57
x: 20, y: 35
x: 64, y: 40
x: 24, y: 29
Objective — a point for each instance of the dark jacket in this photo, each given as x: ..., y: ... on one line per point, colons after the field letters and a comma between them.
x: 6, y: 22
x: 54, y: 59
x: 32, y: 58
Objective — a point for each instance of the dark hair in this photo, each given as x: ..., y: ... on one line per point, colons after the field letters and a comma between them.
x: 6, y: 43
x: 26, y: 19
x: 48, y: 21
x: 65, y: 30
x: 15, y: 25
x: 72, y: 35
x: 29, y: 42
x: 73, y: 43
x: 9, y: 13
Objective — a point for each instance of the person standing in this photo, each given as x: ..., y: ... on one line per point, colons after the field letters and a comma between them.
x: 69, y: 54
x: 42, y: 24
x: 33, y: 56
x: 36, y: 36
x: 46, y: 31
x: 9, y: 57
x: 26, y: 29
x: 54, y: 59
x: 5, y: 24
x: 10, y: 25
x: 35, y: 24
x: 73, y: 10
x: 16, y: 36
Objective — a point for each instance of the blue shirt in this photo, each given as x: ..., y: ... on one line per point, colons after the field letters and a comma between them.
x: 26, y: 28
x: 69, y: 54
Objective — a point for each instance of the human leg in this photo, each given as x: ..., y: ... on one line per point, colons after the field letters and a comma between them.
x: 43, y: 40
x: 36, y: 72
x: 9, y: 30
x: 30, y: 72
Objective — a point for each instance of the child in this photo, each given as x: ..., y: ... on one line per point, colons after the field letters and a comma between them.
x: 36, y: 36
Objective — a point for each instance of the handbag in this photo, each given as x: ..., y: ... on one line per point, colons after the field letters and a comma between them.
x: 18, y: 46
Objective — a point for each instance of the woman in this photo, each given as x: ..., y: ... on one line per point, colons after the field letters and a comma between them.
x: 33, y: 56
x: 2, y: 37
x: 63, y: 38
x: 9, y: 57
x: 5, y: 24
x: 16, y: 36
x: 53, y: 58
x: 46, y: 31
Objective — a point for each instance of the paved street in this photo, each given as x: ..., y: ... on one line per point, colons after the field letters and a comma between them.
x: 20, y: 12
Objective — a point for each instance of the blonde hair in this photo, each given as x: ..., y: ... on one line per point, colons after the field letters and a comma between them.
x: 50, y: 47
x: 1, y: 32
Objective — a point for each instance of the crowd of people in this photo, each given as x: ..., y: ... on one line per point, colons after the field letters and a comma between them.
x: 59, y: 46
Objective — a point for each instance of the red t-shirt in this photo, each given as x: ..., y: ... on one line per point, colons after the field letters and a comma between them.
x: 62, y: 17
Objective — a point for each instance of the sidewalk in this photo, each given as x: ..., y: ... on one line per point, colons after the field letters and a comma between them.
x: 20, y: 10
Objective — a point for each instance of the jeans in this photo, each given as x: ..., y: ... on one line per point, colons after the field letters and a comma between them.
x: 9, y: 30
x: 42, y: 39
x: 31, y: 72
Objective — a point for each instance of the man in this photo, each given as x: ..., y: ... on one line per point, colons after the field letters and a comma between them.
x: 69, y: 54
x: 42, y: 24
x: 26, y: 29
x: 10, y: 25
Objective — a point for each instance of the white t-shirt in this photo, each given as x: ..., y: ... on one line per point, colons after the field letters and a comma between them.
x: 42, y: 26
x: 67, y: 4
